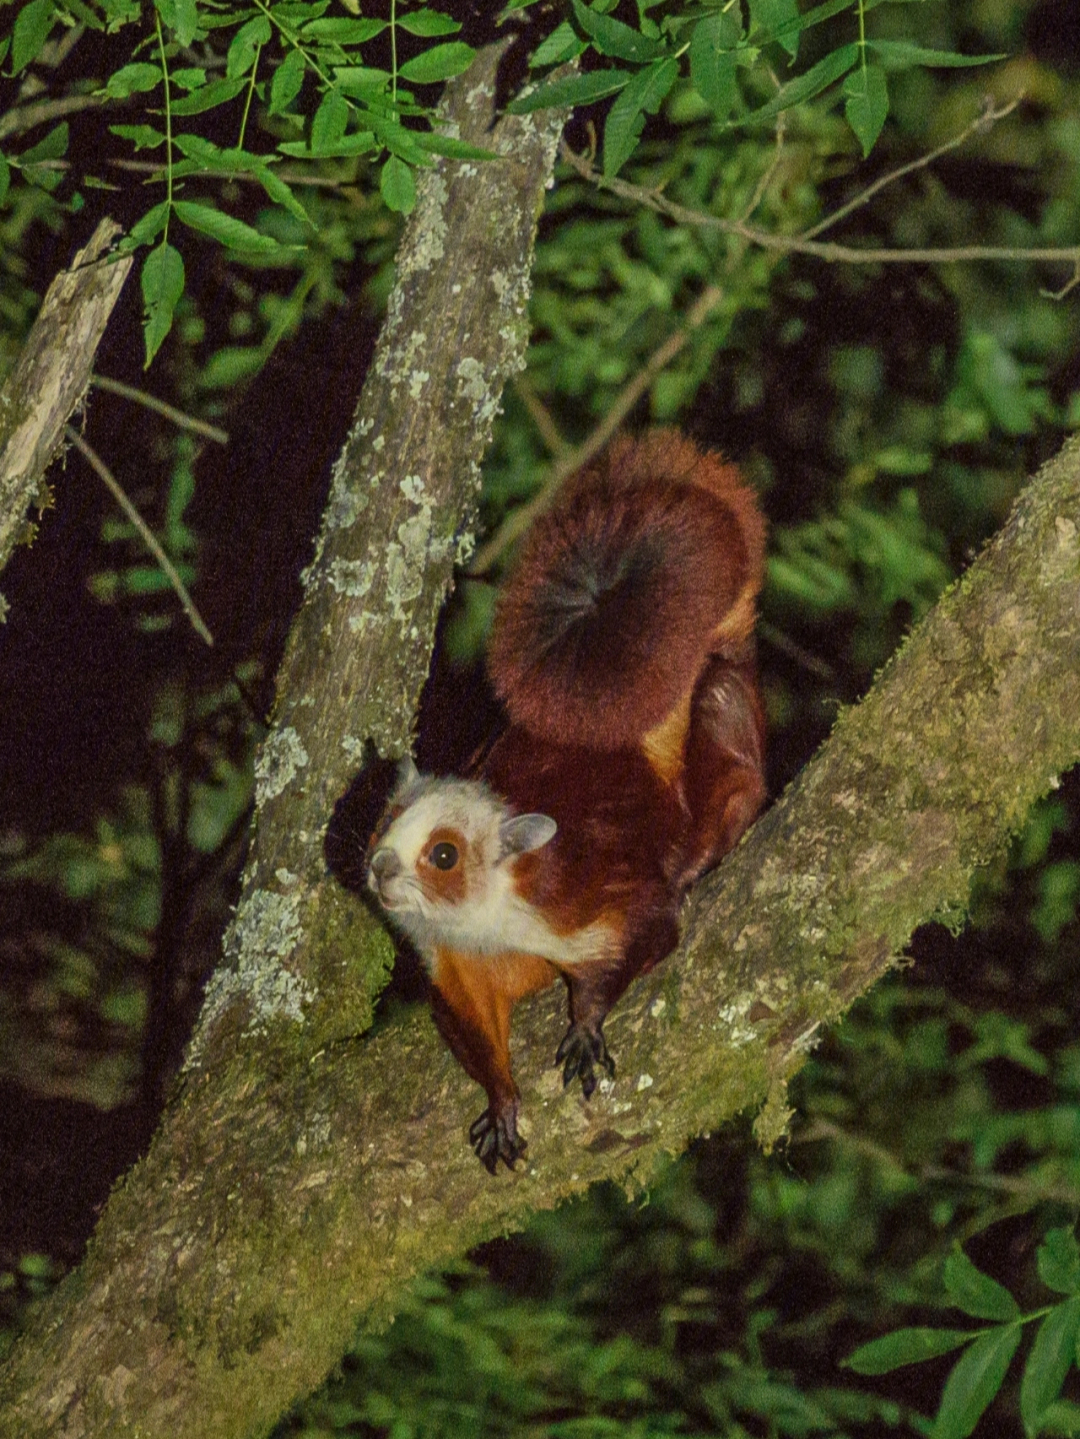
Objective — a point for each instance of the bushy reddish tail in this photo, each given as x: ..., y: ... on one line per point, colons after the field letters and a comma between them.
x: 648, y: 562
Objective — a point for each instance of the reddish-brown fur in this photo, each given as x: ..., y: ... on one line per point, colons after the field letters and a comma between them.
x: 649, y: 758
x: 622, y: 591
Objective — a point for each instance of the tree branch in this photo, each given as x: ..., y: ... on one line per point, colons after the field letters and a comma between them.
x: 51, y: 376
x: 827, y: 250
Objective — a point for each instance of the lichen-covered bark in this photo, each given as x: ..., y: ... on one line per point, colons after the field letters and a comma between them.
x: 51, y: 377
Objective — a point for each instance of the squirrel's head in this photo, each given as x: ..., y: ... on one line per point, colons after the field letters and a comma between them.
x: 441, y: 861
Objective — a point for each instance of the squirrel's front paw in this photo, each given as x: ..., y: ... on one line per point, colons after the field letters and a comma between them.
x: 580, y: 1051
x: 495, y: 1137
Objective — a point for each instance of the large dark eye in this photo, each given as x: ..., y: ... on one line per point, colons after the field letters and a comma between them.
x: 444, y: 855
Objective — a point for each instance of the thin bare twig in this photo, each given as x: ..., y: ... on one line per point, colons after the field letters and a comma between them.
x: 40, y: 112
x: 151, y: 402
x: 780, y: 641
x: 989, y: 116
x: 541, y: 417
x: 769, y: 171
x: 1070, y: 284
x: 149, y: 539
x: 519, y: 520
x: 1003, y: 1183
x: 829, y: 251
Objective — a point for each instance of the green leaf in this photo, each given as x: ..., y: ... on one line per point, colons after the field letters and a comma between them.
x: 146, y: 229
x: 53, y: 147
x: 975, y: 1380
x: 231, y: 364
x: 330, y: 121
x: 162, y: 285
x: 189, y: 78
x: 361, y: 79
x: 226, y: 228
x: 906, y: 1346
x: 867, y: 104
x: 804, y: 87
x: 208, y: 97
x: 280, y: 193
x: 84, y: 14
x: 246, y: 44
x: 626, y: 118
x: 713, y: 62
x: 1063, y: 1417
x: 976, y: 1293
x: 5, y: 178
x: 143, y: 137
x: 341, y: 31
x: 1052, y: 1356
x: 561, y: 45
x: 288, y: 81
x: 441, y: 62
x: 181, y: 16
x: 397, y: 185
x: 612, y: 37
x: 429, y: 22
x: 289, y: 13
x: 187, y: 21
x: 119, y: 13
x: 1058, y: 1261
x: 453, y: 149
x: 777, y: 18
x: 905, y: 55
x: 359, y: 143
x: 132, y: 80
x: 33, y: 25
x: 399, y: 141
x: 571, y: 90
x: 212, y: 156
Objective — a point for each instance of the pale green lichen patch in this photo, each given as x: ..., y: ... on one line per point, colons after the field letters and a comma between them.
x: 351, y: 577
x: 263, y: 935
x: 409, y: 557
x: 429, y: 228
x: 279, y: 759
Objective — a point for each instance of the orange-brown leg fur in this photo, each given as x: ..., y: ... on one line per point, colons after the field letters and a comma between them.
x: 472, y: 999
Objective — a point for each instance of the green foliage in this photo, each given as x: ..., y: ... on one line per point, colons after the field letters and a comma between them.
x: 977, y: 1376
x: 717, y: 46
x: 304, y: 78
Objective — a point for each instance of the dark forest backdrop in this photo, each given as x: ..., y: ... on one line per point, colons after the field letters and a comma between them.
x: 888, y: 414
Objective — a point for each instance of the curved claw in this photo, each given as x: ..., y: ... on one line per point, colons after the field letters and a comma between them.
x: 495, y: 1137
x: 580, y: 1050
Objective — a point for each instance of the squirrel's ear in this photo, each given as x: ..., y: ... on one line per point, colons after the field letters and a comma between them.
x: 524, y: 832
x: 407, y: 773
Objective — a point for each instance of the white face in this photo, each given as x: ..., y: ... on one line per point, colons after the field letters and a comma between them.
x: 443, y: 871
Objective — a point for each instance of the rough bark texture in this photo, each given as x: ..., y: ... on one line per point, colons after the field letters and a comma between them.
x: 52, y: 376
x: 298, y: 1184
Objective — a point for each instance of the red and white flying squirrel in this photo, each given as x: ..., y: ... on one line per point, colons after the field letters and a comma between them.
x: 632, y: 762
